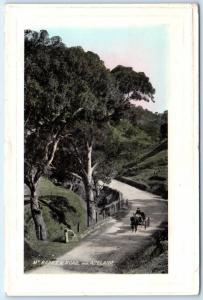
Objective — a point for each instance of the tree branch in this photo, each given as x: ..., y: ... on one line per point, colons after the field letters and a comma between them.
x: 76, y: 175
x: 95, y: 166
x: 26, y: 121
x: 37, y: 175
x: 77, y: 155
x: 27, y: 181
x: 53, y: 152
x: 77, y: 111
x: 46, y: 150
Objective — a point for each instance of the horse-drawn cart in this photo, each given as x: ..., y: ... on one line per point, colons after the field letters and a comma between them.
x: 139, y: 220
x: 143, y: 222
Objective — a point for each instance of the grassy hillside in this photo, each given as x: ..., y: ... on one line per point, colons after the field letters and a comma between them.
x: 150, y: 170
x: 139, y: 148
x: 61, y: 209
x: 126, y: 142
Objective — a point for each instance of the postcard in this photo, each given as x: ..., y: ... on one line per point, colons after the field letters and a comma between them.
x: 101, y: 142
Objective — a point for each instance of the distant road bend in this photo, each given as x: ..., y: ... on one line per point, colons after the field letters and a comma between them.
x: 101, y: 250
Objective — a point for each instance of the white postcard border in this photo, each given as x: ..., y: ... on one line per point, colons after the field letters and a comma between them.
x: 183, y: 277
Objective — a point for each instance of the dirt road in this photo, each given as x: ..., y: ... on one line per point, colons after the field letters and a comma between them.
x: 104, y: 249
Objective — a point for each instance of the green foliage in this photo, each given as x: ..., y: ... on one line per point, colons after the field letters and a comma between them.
x: 60, y: 81
x: 160, y: 159
x: 61, y: 85
x: 151, y: 172
x: 164, y: 126
x: 135, y: 85
x: 124, y: 142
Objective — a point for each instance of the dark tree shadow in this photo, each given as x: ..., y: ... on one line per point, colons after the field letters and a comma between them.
x: 58, y: 206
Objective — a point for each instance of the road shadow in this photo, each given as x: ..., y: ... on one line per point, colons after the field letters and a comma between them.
x: 144, y: 256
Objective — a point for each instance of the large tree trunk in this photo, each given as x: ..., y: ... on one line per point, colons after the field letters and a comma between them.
x: 91, y: 211
x: 40, y: 227
x: 32, y: 178
x: 91, y: 207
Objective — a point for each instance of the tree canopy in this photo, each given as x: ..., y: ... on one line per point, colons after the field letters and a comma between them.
x: 135, y: 85
x: 70, y: 99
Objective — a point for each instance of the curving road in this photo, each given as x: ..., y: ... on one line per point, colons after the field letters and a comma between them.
x: 102, y: 250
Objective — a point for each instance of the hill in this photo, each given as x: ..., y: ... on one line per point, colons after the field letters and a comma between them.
x: 150, y: 171
x: 61, y: 209
x: 138, y: 145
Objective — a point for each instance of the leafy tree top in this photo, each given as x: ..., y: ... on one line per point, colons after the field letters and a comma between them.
x: 135, y: 85
x: 61, y: 85
x: 65, y: 85
x: 61, y: 79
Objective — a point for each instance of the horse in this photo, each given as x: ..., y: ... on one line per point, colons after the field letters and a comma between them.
x: 134, y: 222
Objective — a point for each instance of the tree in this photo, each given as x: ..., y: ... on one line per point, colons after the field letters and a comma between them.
x: 164, y: 125
x: 49, y: 94
x: 99, y: 98
x: 85, y: 151
x: 84, y: 156
x: 70, y: 97
x: 61, y: 84
x: 134, y: 85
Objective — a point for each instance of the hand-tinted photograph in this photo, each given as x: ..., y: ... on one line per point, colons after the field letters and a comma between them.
x: 96, y: 150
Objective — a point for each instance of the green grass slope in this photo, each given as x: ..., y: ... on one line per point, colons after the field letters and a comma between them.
x: 125, y: 142
x: 61, y: 209
x: 150, y: 171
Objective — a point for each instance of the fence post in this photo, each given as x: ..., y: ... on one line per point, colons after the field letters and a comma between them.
x: 66, y: 235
